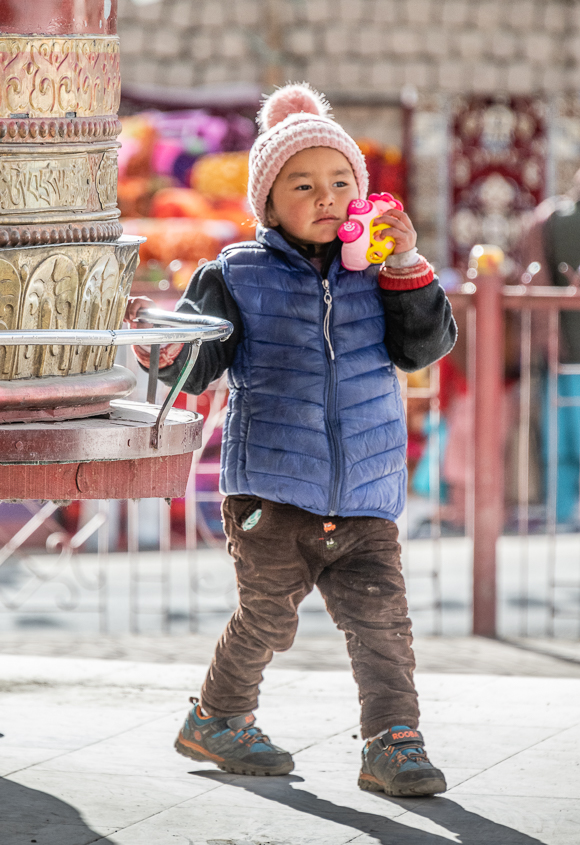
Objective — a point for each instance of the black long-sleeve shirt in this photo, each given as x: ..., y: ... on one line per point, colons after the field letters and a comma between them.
x: 420, y: 327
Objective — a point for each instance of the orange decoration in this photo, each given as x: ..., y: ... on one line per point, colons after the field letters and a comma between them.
x: 181, y: 202
x: 221, y: 175
x: 169, y: 239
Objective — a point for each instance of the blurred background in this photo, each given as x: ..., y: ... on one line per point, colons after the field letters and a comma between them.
x: 468, y: 111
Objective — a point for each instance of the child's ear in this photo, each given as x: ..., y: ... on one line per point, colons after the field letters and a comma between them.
x: 270, y: 214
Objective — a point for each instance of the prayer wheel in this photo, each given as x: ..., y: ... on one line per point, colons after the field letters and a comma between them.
x: 66, y: 271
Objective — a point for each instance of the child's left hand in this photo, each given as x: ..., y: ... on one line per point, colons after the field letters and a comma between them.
x: 401, y: 230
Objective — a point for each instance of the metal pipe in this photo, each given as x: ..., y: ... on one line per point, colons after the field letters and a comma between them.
x: 488, y: 467
x: 552, y: 515
x: 103, y: 559
x: 192, y: 353
x: 133, y: 550
x: 160, y: 317
x: 519, y: 297
x: 153, y: 374
x: 165, y: 555
x: 470, y: 457
x: 523, y: 461
x: 221, y: 330
x: 435, y: 493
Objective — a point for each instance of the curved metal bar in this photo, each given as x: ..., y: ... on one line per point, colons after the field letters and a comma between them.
x: 191, y: 329
x: 192, y: 353
x: 196, y: 328
x: 176, y: 318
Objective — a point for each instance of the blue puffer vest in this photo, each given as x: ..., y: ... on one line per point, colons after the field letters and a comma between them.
x: 312, y: 421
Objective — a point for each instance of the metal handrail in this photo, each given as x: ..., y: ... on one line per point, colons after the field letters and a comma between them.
x: 195, y: 328
x: 179, y: 318
x: 192, y: 329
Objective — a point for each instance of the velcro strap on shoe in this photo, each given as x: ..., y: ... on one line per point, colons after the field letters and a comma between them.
x: 403, y: 736
x: 238, y: 723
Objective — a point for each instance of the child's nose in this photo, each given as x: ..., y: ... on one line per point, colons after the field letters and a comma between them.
x: 326, y: 197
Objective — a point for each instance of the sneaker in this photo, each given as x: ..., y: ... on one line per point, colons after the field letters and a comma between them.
x: 235, y: 745
x: 396, y: 763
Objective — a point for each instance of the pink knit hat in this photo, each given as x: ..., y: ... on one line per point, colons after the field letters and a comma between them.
x: 292, y: 119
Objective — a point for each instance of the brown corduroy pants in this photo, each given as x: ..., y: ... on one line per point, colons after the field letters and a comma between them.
x: 355, y: 563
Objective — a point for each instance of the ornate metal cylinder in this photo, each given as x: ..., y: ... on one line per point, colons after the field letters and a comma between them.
x: 63, y: 264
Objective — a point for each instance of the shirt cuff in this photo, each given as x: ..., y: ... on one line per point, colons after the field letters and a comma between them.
x: 418, y: 275
x: 403, y: 259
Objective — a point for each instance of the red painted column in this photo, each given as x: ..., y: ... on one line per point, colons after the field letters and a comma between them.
x: 58, y: 17
x: 488, y: 452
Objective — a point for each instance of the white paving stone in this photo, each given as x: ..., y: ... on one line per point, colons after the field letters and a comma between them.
x: 87, y: 757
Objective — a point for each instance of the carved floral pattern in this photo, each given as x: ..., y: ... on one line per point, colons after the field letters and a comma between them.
x: 107, y: 180
x: 58, y: 190
x: 52, y: 77
x: 84, y: 289
x: 53, y: 183
x: 10, y: 289
x: 49, y: 302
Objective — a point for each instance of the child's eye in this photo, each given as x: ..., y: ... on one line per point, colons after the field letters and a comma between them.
x: 303, y: 188
x: 341, y: 184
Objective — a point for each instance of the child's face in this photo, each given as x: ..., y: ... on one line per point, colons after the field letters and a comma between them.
x: 310, y: 196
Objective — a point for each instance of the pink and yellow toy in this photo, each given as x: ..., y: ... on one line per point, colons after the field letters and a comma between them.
x: 358, y: 234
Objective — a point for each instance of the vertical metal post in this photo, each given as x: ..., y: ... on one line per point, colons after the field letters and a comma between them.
x: 470, y: 469
x: 133, y: 549
x: 435, y: 494
x: 153, y: 373
x: 103, y: 558
x: 191, y: 537
x: 523, y: 463
x: 165, y: 555
x: 488, y: 464
x: 552, y: 510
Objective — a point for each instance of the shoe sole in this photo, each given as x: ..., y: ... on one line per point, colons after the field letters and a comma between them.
x: 427, y: 786
x: 234, y: 767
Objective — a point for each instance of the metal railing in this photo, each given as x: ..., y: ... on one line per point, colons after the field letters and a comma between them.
x: 60, y: 578
x: 492, y: 301
x: 523, y: 584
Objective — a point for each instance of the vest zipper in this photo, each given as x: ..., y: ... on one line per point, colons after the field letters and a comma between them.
x: 328, y: 303
x: 331, y: 402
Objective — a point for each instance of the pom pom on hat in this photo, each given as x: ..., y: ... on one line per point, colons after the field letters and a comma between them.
x: 291, y: 99
x: 292, y: 119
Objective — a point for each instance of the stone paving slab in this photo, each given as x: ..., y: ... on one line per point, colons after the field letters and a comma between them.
x: 87, y: 757
x: 535, y: 657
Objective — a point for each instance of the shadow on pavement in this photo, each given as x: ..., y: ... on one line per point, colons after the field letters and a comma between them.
x: 28, y: 815
x: 470, y: 828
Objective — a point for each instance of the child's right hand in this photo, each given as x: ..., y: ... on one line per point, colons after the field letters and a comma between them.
x: 168, y: 351
x: 134, y: 305
x: 401, y: 229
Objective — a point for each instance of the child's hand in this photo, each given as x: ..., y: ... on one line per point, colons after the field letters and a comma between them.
x: 401, y: 230
x: 134, y: 305
x: 168, y: 352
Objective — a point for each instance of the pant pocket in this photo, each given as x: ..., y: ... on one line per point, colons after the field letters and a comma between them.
x: 247, y: 513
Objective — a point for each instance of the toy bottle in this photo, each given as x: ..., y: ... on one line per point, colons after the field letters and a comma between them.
x: 358, y: 234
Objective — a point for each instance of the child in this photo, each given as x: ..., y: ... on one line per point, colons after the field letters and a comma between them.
x: 313, y: 453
